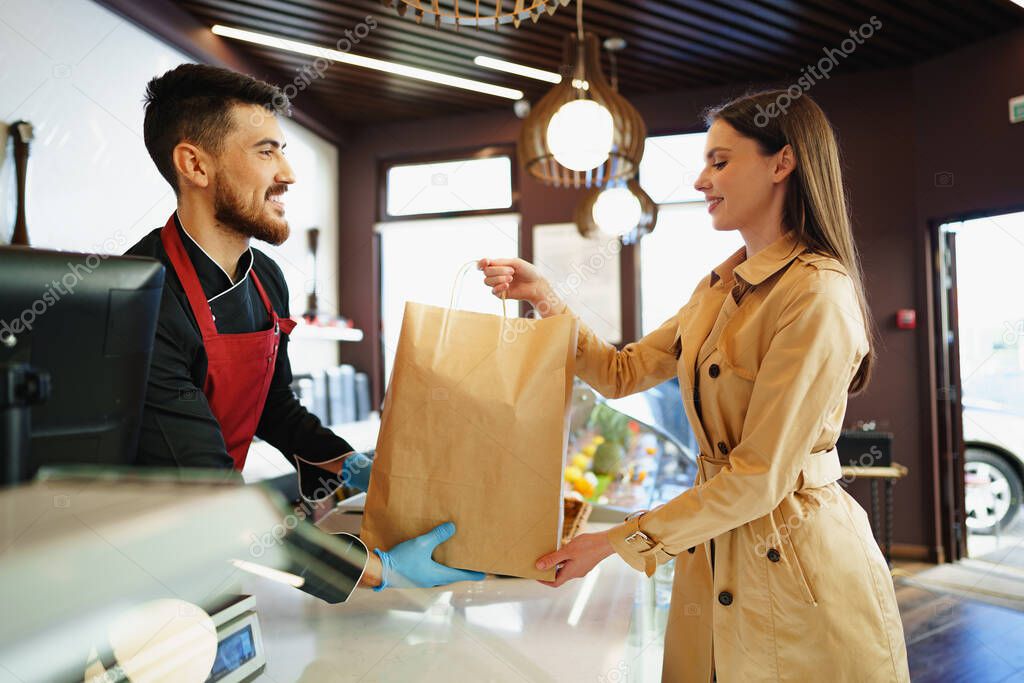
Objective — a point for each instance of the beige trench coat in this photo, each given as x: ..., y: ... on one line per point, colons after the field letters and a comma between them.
x: 799, y: 590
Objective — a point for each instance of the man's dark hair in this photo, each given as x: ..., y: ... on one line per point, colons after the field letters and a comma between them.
x: 192, y: 102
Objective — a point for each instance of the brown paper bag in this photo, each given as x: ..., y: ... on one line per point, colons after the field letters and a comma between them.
x: 474, y: 431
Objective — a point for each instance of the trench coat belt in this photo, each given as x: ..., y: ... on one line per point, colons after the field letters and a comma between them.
x: 819, y: 468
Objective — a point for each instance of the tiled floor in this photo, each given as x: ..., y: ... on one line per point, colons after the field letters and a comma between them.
x: 952, y: 639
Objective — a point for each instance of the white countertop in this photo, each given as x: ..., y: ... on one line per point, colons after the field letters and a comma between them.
x: 496, y: 630
x: 266, y: 462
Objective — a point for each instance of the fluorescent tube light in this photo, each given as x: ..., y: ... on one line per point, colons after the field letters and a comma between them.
x: 518, y: 69
x: 270, y: 573
x: 366, y: 62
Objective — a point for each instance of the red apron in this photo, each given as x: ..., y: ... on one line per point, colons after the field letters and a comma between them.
x: 240, y: 367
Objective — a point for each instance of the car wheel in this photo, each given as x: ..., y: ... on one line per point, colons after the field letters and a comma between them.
x: 993, y: 491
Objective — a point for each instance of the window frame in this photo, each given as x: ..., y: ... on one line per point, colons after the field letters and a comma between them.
x: 384, y: 165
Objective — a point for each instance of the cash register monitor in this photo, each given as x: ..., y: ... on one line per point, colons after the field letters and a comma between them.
x: 88, y: 321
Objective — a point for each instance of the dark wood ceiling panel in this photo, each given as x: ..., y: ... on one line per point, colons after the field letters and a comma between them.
x: 671, y: 44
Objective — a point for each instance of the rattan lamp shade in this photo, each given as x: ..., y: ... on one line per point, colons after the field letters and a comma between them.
x: 628, y: 134
x: 584, y: 214
x: 474, y: 12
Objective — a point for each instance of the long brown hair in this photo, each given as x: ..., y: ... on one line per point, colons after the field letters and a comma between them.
x: 816, y: 205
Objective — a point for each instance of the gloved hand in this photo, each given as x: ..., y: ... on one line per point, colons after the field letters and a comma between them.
x: 355, y: 471
x: 409, y: 564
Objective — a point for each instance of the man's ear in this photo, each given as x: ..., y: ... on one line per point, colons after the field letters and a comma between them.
x: 785, y: 163
x: 191, y: 164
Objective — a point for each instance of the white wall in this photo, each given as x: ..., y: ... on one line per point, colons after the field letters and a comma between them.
x: 78, y: 73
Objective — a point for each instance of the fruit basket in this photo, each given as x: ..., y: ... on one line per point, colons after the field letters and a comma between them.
x: 575, y: 514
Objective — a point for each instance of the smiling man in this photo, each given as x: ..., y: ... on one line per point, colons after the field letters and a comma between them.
x: 220, y: 373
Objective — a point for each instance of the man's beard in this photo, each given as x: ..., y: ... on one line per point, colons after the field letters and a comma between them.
x: 250, y: 220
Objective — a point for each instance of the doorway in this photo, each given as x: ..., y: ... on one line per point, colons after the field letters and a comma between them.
x: 981, y: 384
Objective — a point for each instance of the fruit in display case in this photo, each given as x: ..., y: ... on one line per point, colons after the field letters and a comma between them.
x: 599, y: 464
x: 616, y: 435
x: 586, y: 485
x: 610, y: 424
x: 608, y: 457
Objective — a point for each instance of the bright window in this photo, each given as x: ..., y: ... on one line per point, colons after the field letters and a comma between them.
x: 670, y: 167
x: 449, y: 186
x: 683, y: 247
x: 421, y: 258
x: 584, y: 272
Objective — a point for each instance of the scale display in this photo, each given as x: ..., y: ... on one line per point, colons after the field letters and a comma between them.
x: 232, y: 653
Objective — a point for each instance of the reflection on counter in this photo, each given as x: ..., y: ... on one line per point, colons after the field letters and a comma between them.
x: 495, y: 630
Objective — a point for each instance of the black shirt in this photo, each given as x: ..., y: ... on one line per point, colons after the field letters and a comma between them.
x: 178, y: 429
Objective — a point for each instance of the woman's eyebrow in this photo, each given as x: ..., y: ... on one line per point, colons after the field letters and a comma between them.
x: 711, y: 152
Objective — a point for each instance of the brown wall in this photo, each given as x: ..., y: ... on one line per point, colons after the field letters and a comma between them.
x: 897, y: 129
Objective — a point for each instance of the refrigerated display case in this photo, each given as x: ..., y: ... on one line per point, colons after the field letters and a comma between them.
x: 629, y: 453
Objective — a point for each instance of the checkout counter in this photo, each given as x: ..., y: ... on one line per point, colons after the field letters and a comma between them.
x: 500, y: 629
x: 138, y: 577
x: 606, y: 627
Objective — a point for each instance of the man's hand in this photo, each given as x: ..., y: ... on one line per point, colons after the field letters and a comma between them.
x: 371, y: 577
x: 355, y: 471
x: 576, y: 558
x: 409, y: 565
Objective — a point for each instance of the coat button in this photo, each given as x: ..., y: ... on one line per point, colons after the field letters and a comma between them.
x: 714, y: 370
x: 725, y: 597
x: 774, y: 555
x: 722, y: 448
x: 691, y: 550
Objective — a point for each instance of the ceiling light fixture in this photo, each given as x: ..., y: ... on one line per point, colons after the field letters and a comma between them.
x: 622, y: 210
x: 517, y: 69
x: 311, y: 50
x: 455, y: 15
x: 582, y: 133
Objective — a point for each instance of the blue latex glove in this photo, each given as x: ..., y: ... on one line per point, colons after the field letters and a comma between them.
x: 355, y: 471
x: 409, y: 565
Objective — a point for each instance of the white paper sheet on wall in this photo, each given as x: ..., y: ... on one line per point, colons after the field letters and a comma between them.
x: 584, y: 272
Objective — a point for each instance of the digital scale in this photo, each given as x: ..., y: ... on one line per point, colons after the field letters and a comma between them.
x: 240, y: 654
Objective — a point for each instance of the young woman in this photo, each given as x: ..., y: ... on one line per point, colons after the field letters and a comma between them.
x: 777, y: 574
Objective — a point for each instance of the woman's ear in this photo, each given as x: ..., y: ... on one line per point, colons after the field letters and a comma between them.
x: 785, y: 163
x: 191, y: 164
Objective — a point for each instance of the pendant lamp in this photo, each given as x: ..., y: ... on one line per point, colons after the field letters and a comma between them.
x: 621, y: 210
x: 469, y: 13
x: 582, y: 133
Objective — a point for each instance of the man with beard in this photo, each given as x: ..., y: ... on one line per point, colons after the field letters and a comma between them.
x: 220, y: 372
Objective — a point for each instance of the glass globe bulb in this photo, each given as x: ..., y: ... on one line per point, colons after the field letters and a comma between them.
x: 617, y: 211
x: 579, y: 135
